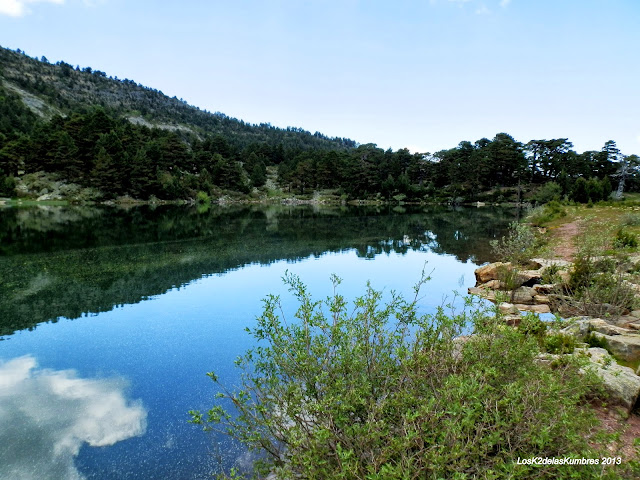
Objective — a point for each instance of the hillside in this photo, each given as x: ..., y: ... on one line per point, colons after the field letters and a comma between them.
x: 60, y: 88
x: 100, y: 138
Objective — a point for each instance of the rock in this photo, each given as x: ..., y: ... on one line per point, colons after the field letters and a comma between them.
x: 533, y: 308
x: 546, y: 288
x: 578, y: 327
x: 635, y: 313
x: 512, y: 320
x: 544, y: 263
x: 487, y: 294
x: 633, y: 326
x: 529, y: 277
x: 508, y: 308
x: 523, y: 295
x: 622, y: 384
x: 492, y: 285
x: 490, y: 272
x: 458, y: 345
x: 624, y: 347
x: 541, y: 299
x: 565, y: 276
x: 602, y: 326
x: 48, y: 196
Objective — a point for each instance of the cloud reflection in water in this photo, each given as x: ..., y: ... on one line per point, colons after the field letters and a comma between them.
x: 46, y: 416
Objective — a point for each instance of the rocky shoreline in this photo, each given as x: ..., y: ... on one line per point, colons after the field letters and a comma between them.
x: 516, y: 290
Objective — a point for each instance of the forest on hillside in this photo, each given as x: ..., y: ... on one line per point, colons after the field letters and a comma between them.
x: 86, y: 136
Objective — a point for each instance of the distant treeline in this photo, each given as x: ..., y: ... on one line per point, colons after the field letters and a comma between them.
x: 88, y: 140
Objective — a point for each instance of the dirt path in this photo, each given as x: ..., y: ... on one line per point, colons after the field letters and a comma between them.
x: 564, y: 246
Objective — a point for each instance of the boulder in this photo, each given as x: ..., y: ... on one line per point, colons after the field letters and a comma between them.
x: 487, y: 294
x: 490, y: 272
x: 533, y: 308
x: 624, y: 347
x: 541, y: 299
x: 546, y: 288
x: 492, y: 285
x: 523, y: 295
x: 508, y: 308
x: 634, y: 326
x: 543, y: 263
x: 602, y: 326
x: 565, y: 276
x: 512, y: 320
x: 578, y: 327
x: 529, y: 277
x: 622, y: 384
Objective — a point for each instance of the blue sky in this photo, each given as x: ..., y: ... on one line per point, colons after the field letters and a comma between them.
x: 418, y: 74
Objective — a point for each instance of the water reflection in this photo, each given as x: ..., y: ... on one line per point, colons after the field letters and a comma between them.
x: 71, y: 261
x: 47, y: 415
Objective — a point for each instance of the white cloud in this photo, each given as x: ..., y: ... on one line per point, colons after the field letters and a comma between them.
x: 19, y: 8
x: 47, y: 415
x: 638, y: 138
x: 504, y: 3
x: 482, y: 10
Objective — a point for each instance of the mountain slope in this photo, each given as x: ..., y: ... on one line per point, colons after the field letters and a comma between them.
x: 51, y: 89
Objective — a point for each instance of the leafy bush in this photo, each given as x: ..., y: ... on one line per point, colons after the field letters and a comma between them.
x: 596, y: 342
x: 7, y: 186
x: 550, y: 274
x: 531, y: 325
x: 559, y: 343
x: 548, y: 192
x: 631, y: 219
x: 202, y: 198
x: 540, y: 216
x: 382, y: 392
x: 518, y: 246
x: 597, y: 282
x: 625, y: 239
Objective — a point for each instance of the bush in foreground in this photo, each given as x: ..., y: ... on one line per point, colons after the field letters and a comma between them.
x: 378, y: 391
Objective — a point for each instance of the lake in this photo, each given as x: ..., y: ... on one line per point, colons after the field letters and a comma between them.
x: 110, y: 317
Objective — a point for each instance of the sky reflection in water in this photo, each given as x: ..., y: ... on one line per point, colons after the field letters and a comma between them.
x: 74, y: 413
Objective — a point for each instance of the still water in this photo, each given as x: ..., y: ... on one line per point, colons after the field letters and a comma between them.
x: 110, y: 317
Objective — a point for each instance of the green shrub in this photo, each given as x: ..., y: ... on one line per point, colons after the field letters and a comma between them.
x: 550, y: 274
x: 625, y: 239
x: 202, y: 198
x: 383, y: 392
x: 7, y: 186
x: 597, y: 282
x: 559, y: 343
x: 540, y: 216
x: 531, y: 325
x: 631, y: 219
x: 594, y: 341
x: 548, y: 192
x: 518, y: 246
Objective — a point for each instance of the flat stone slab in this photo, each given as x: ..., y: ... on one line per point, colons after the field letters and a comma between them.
x: 622, y: 383
x: 490, y: 272
x: 602, y: 326
x: 533, y: 308
x: 624, y: 347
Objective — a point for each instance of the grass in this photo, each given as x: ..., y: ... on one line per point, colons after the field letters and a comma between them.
x: 32, y: 203
x: 610, y: 215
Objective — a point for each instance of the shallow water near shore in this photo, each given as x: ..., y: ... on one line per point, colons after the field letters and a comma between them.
x: 110, y: 317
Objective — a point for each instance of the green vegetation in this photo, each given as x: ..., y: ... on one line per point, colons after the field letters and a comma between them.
x: 518, y: 246
x: 598, y: 282
x: 379, y: 391
x: 544, y: 214
x: 123, y: 139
